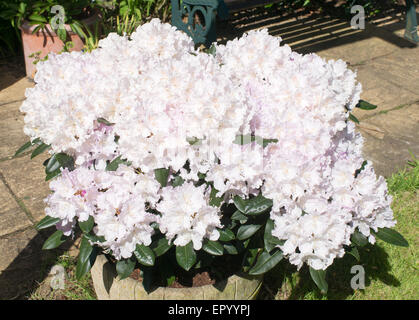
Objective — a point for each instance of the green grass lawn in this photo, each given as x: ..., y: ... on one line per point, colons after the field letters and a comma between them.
x: 73, y: 290
x: 391, y: 272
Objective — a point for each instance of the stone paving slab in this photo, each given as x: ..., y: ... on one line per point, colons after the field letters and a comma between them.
x: 26, y: 178
x: 389, y: 73
x: 21, y: 262
x: 14, y: 92
x: 363, y: 43
x: 395, y: 23
x: 389, y: 151
x: 11, y: 246
x: 379, y: 91
x: 11, y: 129
x: 368, y: 44
x: 400, y: 68
x: 12, y: 217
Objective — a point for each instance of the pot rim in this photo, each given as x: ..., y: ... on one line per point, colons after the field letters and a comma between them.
x: 116, y: 285
x: 28, y: 28
x: 237, y: 275
x: 227, y: 280
x: 230, y: 281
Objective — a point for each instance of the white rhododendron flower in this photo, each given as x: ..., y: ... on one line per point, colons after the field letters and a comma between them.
x: 117, y: 201
x: 151, y: 101
x: 187, y: 215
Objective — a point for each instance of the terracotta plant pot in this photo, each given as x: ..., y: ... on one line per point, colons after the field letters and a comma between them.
x: 108, y: 286
x: 47, y: 41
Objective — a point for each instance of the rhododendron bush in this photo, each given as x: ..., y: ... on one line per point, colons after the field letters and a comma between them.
x: 160, y: 150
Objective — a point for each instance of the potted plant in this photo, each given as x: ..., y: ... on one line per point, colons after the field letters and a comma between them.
x: 50, y: 26
x: 187, y: 168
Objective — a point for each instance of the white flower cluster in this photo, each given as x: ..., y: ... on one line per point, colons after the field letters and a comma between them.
x: 319, y: 199
x: 117, y: 200
x: 156, y: 102
x: 187, y: 215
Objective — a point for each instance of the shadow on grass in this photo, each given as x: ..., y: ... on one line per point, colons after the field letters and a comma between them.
x: 283, y: 283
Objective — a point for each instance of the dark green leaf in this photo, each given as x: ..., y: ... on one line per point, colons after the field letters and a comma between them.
x: 177, y: 181
x: 232, y: 224
x: 239, y: 203
x: 355, y: 253
x: 147, y: 274
x: 85, y: 249
x: 269, y: 240
x: 266, y: 262
x: 193, y: 140
x: 57, y: 161
x: 37, y: 18
x: 230, y: 249
x: 250, y: 258
x: 186, y: 256
x: 319, y: 278
x: 52, y: 164
x: 45, y: 162
x: 46, y: 222
x: 83, y: 267
x: 257, y: 205
x: 53, y: 241
x: 144, y: 255
x: 123, y: 10
x: 34, y: 31
x: 201, y: 176
x: 239, y: 216
x: 213, y: 247
x: 39, y: 149
x: 212, y: 50
x: 87, y: 226
x: 359, y: 239
x: 265, y: 142
x: 77, y: 29
x: 125, y: 267
x: 161, y: 176
x: 214, y: 200
x: 114, y: 164
x: 248, y: 230
x: 94, y: 238
x: 353, y: 118
x: 22, y: 7
x: 104, y: 121
x: 161, y: 246
x: 358, y: 171
x: 364, y: 105
x: 51, y: 175
x: 391, y: 236
x: 23, y: 148
x: 226, y: 235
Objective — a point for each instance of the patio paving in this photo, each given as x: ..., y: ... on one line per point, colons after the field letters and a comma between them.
x: 387, y: 66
